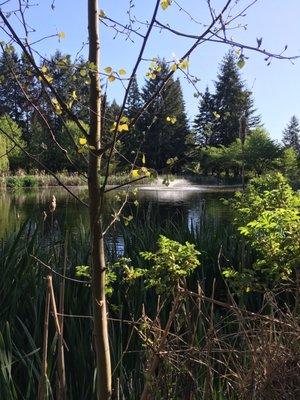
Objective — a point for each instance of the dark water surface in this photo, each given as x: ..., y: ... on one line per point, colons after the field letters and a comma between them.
x: 190, y: 204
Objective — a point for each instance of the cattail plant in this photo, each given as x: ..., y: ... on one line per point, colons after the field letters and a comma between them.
x: 52, y: 206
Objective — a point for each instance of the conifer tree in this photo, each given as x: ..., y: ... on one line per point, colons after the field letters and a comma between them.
x: 231, y: 100
x: 164, y: 126
x: 11, y: 98
x: 291, y: 134
x: 129, y: 148
x: 205, y: 119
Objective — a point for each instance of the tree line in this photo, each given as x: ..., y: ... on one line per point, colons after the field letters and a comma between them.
x: 167, y: 142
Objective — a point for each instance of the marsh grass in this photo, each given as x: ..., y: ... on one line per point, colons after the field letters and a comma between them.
x: 211, y: 350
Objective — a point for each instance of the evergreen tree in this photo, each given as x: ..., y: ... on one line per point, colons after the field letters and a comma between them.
x: 11, y: 98
x: 164, y: 125
x: 231, y: 100
x: 130, y: 141
x: 291, y: 134
x: 205, y: 119
x: 112, y: 112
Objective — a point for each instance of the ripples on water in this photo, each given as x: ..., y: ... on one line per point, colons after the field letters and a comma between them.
x: 187, y: 204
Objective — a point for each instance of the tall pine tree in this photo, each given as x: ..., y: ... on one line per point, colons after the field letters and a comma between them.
x: 164, y: 125
x: 131, y: 141
x: 11, y: 97
x: 231, y: 100
x: 291, y: 134
x: 205, y: 119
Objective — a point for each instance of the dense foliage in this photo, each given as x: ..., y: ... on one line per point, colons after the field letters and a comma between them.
x: 267, y: 216
x: 161, y: 138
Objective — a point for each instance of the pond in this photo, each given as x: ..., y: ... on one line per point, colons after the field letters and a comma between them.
x: 184, y: 213
x: 191, y: 203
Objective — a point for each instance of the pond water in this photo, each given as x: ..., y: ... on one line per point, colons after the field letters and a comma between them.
x: 190, y: 203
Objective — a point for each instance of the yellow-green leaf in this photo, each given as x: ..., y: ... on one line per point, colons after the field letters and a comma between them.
x: 54, y: 100
x: 61, y: 35
x: 123, y: 127
x: 111, y: 78
x: 144, y: 159
x: 82, y: 72
x: 122, y: 72
x: 82, y: 141
x: 171, y: 119
x: 124, y: 120
x: 241, y: 63
x: 135, y: 173
x: 145, y: 171
x: 174, y: 67
x: 44, y: 69
x: 165, y: 4
x: 108, y: 70
x: 49, y: 78
x: 184, y: 64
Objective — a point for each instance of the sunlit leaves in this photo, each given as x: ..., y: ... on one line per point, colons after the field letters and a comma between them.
x: 113, y: 75
x: 154, y: 69
x: 174, y: 67
x: 56, y: 106
x: 135, y: 173
x: 268, y: 219
x: 122, y: 126
x: 216, y: 115
x: 83, y: 72
x: 241, y: 62
x: 61, y: 35
x: 171, y: 120
x: 139, y: 173
x: 172, y: 161
x: 170, y: 264
x: 150, y: 75
x: 143, y: 159
x: 127, y: 219
x: 48, y: 77
x: 184, y: 64
x: 108, y: 70
x: 111, y: 78
x: 82, y: 141
x: 165, y: 4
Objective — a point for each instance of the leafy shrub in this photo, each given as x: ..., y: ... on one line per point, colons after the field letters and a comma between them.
x: 267, y: 216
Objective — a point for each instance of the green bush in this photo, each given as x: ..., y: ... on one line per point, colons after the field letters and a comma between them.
x: 29, y: 181
x: 267, y: 216
x: 13, y: 182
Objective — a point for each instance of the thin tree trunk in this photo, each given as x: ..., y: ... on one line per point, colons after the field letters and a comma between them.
x: 103, y: 362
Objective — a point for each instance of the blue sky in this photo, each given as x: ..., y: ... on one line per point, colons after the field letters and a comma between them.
x: 276, y: 88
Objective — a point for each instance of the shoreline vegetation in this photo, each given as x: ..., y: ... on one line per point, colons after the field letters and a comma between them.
x: 41, y: 180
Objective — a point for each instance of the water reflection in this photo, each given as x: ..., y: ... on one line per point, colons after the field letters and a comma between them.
x: 191, y: 207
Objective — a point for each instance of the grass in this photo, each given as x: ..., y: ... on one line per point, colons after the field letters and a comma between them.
x: 209, y: 349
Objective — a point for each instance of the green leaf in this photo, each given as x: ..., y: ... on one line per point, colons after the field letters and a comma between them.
x: 165, y: 4
x: 241, y: 62
x: 108, y: 70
